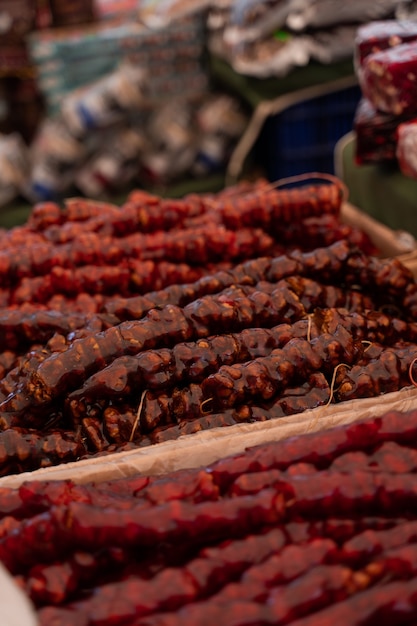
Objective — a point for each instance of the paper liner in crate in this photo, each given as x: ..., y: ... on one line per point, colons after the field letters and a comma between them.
x: 390, y: 243
x: 409, y: 259
x: 206, y: 447
x: 193, y: 451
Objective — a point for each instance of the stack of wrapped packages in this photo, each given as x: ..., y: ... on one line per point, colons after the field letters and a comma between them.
x: 272, y: 38
x: 386, y: 118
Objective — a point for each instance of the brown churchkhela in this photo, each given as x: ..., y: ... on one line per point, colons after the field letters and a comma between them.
x: 297, y: 303
x: 237, y: 279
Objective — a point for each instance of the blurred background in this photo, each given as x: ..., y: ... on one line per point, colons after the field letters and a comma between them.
x: 100, y: 96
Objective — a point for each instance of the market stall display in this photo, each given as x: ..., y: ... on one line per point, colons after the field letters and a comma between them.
x: 128, y: 326
x: 316, y: 528
x: 208, y: 403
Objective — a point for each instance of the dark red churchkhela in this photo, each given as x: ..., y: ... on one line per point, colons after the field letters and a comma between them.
x: 286, y: 533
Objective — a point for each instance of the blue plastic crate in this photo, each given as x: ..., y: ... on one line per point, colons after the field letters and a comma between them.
x: 302, y: 138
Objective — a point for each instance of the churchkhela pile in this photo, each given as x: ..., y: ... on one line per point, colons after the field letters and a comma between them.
x: 315, y: 530
x: 264, y: 304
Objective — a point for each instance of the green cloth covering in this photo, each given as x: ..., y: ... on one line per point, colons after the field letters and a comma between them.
x: 380, y: 190
x: 14, y: 214
x: 256, y: 90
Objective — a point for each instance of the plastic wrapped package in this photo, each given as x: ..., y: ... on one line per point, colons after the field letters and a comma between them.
x: 389, y: 79
x: 407, y: 148
x: 376, y: 134
x: 380, y: 35
x: 374, y: 38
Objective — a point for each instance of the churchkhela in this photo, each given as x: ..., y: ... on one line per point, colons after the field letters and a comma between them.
x: 247, y: 322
